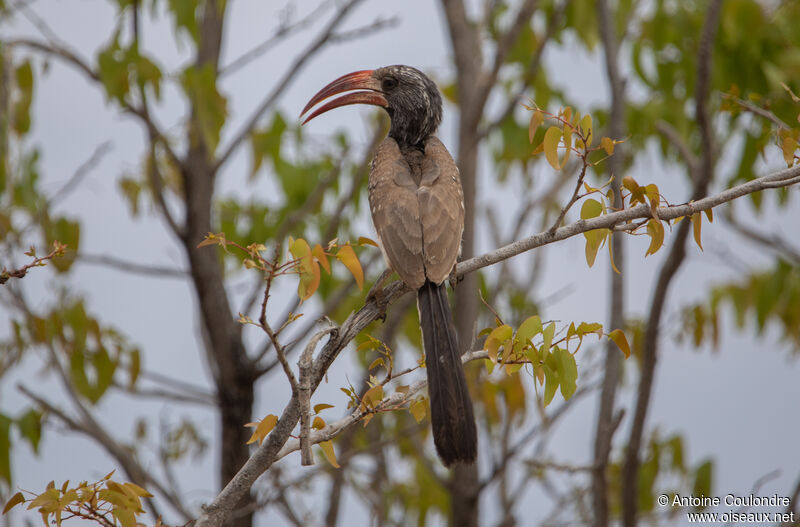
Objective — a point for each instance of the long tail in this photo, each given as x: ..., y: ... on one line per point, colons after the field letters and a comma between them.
x: 452, y: 417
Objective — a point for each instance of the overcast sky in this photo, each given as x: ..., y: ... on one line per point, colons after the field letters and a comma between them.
x: 738, y: 405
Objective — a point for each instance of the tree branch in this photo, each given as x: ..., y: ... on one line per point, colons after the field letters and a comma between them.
x: 287, y: 78
x: 605, y: 426
x: 277, y: 445
x: 702, y: 177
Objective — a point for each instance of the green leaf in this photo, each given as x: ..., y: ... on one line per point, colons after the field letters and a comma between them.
x: 586, y: 128
x: 22, y: 105
x: 550, y: 144
x: 551, y: 382
x: 112, y: 68
x: 702, y: 479
x: 67, y: 232
x: 531, y: 327
x: 567, y: 372
x: 537, y: 118
x: 591, y: 208
x: 30, y: 427
x: 208, y: 105
x: 184, y: 12
x: 5, y: 449
x: 267, y: 143
x: 547, y: 336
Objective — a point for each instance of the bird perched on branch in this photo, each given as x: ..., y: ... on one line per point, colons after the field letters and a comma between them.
x: 417, y: 207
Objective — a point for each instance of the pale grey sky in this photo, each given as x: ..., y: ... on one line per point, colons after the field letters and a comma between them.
x: 738, y: 405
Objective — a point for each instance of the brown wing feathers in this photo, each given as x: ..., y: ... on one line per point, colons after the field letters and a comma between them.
x: 418, y: 212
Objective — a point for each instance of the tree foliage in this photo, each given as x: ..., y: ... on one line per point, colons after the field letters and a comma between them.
x: 709, y: 89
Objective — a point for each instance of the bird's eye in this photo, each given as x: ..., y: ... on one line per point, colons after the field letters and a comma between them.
x: 389, y: 83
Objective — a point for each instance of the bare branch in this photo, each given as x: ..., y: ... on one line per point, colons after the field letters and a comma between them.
x: 82, y: 171
x: 773, y: 242
x: 151, y: 271
x: 757, y: 110
x: 604, y: 426
x: 304, y: 393
x: 531, y: 71
x: 609, y: 221
x: 287, y: 78
x: 284, y: 30
x: 277, y: 444
x: 65, y: 54
x: 672, y: 135
x: 701, y: 177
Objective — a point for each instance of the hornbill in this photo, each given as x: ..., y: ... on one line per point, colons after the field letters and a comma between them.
x: 417, y: 207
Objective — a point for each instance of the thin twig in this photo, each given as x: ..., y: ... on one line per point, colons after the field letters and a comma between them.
x: 277, y: 443
x: 287, y: 78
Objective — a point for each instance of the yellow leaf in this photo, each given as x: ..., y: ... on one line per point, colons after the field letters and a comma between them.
x: 547, y: 336
x: 18, y: 498
x: 373, y: 396
x: 363, y: 240
x: 418, y: 409
x: 330, y: 453
x: 213, y: 239
x: 618, y: 336
x: 347, y: 256
x: 308, y: 268
x: 550, y: 144
x: 656, y: 232
x: 788, y: 146
x: 137, y: 490
x: 594, y: 239
x: 629, y: 183
x: 611, y: 253
x: 608, y: 145
x: 377, y: 362
x: 321, y: 406
x: 495, y: 339
x: 539, y: 372
x: 318, y: 423
x: 697, y: 225
x: 322, y: 258
x: 537, y: 118
x: 262, y: 428
x: 710, y: 215
x: 591, y: 208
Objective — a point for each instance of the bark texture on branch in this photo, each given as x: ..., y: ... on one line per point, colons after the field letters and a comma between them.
x: 276, y: 443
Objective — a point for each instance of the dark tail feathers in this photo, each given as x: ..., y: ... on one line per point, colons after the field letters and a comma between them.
x: 452, y: 417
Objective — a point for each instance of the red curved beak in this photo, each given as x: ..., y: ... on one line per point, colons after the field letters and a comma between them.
x: 358, y: 80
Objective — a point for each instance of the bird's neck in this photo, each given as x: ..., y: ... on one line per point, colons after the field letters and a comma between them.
x: 412, y: 129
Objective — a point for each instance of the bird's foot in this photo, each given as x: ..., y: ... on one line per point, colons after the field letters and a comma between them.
x: 454, y: 278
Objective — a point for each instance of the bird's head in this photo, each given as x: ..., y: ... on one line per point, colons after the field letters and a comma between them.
x: 411, y: 99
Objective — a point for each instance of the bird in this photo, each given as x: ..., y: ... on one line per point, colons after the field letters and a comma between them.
x: 417, y: 207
